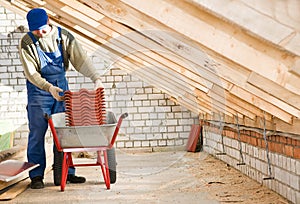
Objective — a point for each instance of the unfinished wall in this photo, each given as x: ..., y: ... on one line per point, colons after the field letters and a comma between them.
x: 154, y: 121
x: 236, y: 146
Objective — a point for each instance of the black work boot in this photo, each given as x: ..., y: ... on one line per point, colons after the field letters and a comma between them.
x: 75, y: 179
x: 37, y: 182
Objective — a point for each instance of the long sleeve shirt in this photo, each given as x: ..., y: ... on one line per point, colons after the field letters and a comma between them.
x: 72, y: 51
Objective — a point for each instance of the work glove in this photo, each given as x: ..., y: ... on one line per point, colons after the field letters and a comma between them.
x: 98, y: 84
x: 54, y: 90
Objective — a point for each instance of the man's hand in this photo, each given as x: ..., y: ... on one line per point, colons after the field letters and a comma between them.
x: 54, y: 90
x: 98, y: 84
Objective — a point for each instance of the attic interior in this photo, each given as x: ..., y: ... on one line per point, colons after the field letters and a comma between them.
x: 217, y: 65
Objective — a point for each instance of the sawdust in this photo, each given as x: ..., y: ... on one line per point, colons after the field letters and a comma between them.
x: 228, y: 185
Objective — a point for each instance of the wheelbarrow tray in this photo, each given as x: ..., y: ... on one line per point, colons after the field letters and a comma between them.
x: 84, y: 136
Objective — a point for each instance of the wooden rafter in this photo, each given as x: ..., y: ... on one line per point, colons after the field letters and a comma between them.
x: 203, y: 61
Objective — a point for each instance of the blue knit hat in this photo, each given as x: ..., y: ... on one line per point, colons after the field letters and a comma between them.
x: 37, y: 19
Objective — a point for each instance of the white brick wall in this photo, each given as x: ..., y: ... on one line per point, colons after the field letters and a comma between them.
x: 153, y: 120
x: 285, y: 170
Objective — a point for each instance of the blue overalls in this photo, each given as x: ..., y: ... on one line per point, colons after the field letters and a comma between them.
x: 41, y: 102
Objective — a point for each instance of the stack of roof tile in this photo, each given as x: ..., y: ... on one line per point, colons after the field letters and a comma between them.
x: 84, y: 108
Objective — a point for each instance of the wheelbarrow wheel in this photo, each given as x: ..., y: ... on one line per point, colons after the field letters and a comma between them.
x: 57, y: 166
x: 112, y: 164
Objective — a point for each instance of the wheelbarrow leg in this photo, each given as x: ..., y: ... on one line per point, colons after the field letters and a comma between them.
x: 106, y: 176
x: 104, y: 168
x: 64, y: 173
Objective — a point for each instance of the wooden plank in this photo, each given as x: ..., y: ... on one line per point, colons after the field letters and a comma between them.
x: 234, y: 76
x: 240, y: 109
x: 192, y: 105
x: 253, y: 19
x: 239, y: 47
x: 197, y: 59
x: 231, y: 75
x: 291, y: 99
x: 158, y: 55
x: 96, y: 16
x: 293, y: 128
x: 245, y: 105
x: 15, y: 190
x: 4, y: 184
x: 201, y: 104
x: 155, y: 59
x: 296, y: 68
x: 262, y: 104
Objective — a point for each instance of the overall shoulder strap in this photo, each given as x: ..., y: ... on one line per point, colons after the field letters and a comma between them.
x: 62, y: 45
x: 44, y: 59
x: 59, y: 38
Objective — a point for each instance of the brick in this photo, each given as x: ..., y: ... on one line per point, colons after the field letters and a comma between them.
x: 278, y: 138
x: 145, y: 109
x: 160, y: 97
x: 231, y: 134
x: 170, y: 142
x: 129, y: 144
x: 120, y: 144
x: 162, y: 142
x: 180, y: 142
x: 294, y: 181
x: 137, y: 143
x: 297, y: 152
x: 288, y: 150
x: 153, y: 143
x: 253, y: 141
x: 145, y: 144
x: 172, y: 122
x: 294, y: 142
x: 279, y: 148
x: 140, y: 97
x: 163, y: 109
x: 243, y: 138
x: 260, y: 142
x: 297, y: 164
x: 154, y: 103
x: 272, y: 146
x: 289, y: 141
x: 283, y: 140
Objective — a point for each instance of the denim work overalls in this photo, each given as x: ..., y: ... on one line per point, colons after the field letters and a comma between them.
x: 41, y: 102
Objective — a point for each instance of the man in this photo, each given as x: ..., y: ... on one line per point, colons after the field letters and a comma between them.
x: 45, y: 53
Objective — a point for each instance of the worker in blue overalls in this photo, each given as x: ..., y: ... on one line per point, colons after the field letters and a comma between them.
x: 45, y: 53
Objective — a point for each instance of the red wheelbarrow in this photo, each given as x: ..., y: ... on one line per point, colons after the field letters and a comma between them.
x: 95, y: 138
x: 82, y: 128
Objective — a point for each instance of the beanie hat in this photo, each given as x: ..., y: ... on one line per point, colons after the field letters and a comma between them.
x: 37, y: 19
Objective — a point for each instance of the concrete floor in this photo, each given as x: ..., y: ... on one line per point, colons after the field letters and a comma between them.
x: 159, y: 177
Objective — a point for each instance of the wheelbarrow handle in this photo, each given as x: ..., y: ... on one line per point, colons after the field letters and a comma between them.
x: 55, y: 137
x: 124, y: 115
